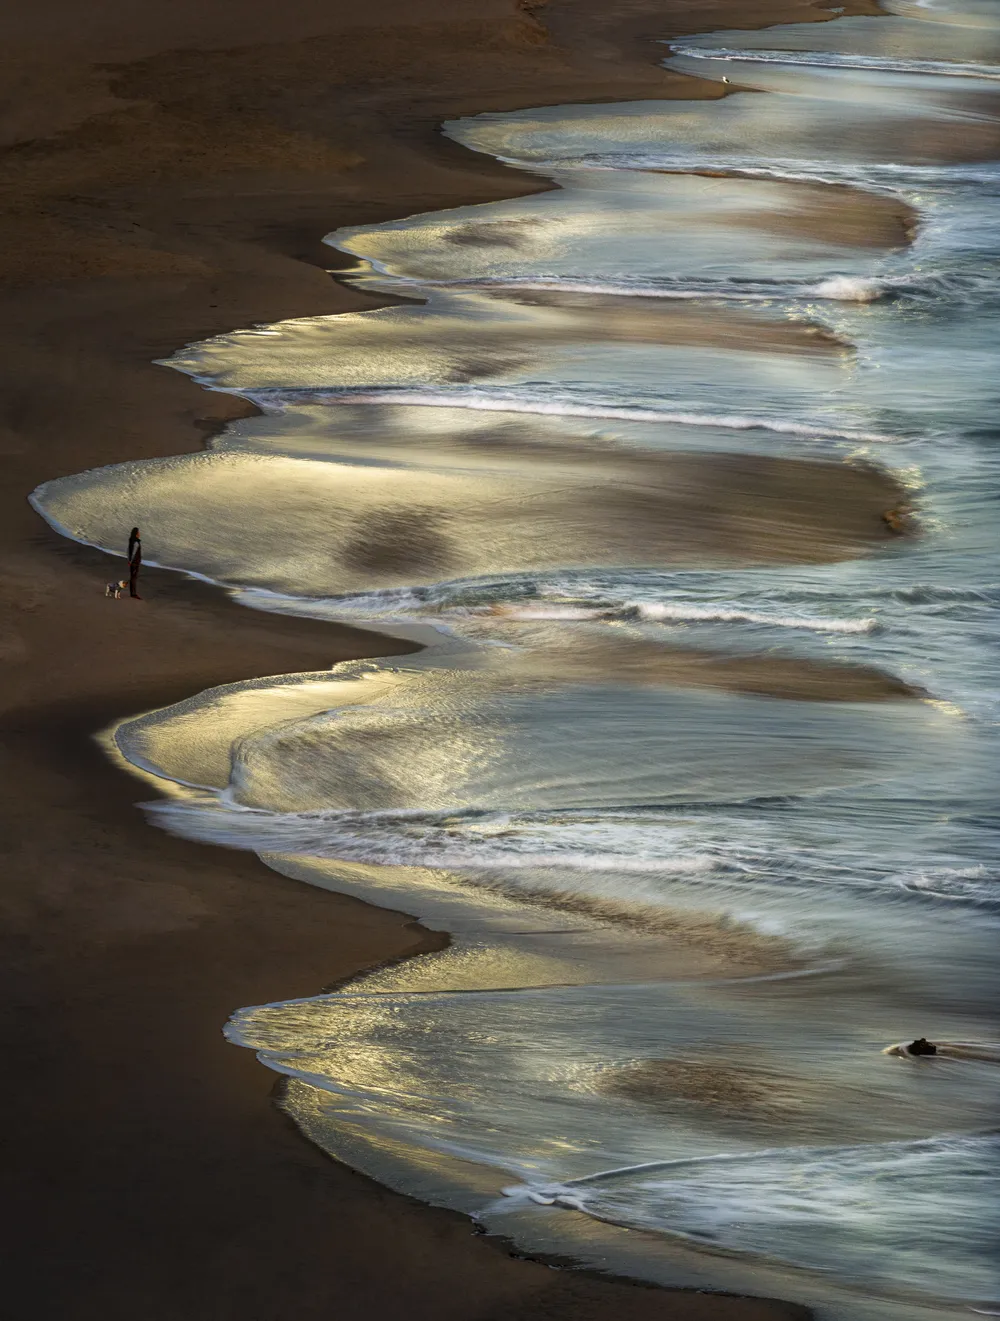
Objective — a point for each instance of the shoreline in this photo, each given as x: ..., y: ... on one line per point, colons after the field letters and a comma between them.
x: 123, y: 990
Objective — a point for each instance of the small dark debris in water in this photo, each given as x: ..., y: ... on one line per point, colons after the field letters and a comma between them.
x: 921, y: 1047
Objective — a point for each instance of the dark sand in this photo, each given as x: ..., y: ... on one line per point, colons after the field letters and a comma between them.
x: 657, y: 321
x: 834, y: 213
x: 637, y: 661
x: 171, y: 171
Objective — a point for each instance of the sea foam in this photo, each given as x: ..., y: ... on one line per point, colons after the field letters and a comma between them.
x: 838, y: 288
x: 496, y: 402
x: 840, y: 60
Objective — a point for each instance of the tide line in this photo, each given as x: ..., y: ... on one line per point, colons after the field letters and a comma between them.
x: 499, y: 403
x: 839, y: 60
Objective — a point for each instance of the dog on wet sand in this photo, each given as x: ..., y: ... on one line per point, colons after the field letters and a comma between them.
x: 116, y: 589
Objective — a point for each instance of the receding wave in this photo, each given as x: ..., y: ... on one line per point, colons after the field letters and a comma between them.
x: 907, y: 1215
x: 957, y: 884
x: 839, y: 288
x: 558, y: 856
x: 529, y: 601
x: 575, y: 791
x: 971, y: 13
x: 925, y: 286
x: 494, y: 857
x: 475, y: 843
x: 689, y: 613
x: 710, y: 614
x: 877, y: 176
x: 503, y: 402
x: 837, y: 60
x: 414, y: 839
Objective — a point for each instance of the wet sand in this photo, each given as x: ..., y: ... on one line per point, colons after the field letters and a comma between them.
x: 831, y: 213
x: 172, y: 170
x: 639, y: 662
x: 841, y: 215
x: 513, y: 510
x: 650, y: 321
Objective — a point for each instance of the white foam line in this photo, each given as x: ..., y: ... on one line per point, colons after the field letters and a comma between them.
x: 840, y: 60
x: 752, y: 1158
x: 711, y: 614
x: 840, y: 288
x: 656, y: 611
x: 502, y: 404
x: 885, y: 177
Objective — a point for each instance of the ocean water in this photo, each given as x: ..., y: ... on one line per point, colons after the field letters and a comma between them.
x: 688, y: 922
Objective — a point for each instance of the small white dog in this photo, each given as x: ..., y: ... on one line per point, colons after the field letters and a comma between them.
x: 116, y: 589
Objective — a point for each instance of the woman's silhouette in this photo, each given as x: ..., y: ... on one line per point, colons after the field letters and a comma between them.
x: 134, y: 563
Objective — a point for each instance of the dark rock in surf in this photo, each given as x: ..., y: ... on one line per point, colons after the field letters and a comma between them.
x: 921, y: 1047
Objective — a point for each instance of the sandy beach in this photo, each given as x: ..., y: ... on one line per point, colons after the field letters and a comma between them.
x: 169, y: 175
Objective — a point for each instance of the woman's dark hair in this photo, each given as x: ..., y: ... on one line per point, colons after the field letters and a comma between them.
x: 133, y: 533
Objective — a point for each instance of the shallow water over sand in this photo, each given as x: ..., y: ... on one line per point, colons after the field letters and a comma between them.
x: 693, y: 896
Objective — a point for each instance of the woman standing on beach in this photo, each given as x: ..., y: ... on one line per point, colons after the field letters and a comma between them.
x: 134, y: 562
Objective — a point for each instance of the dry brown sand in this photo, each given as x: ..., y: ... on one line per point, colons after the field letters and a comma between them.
x: 171, y: 169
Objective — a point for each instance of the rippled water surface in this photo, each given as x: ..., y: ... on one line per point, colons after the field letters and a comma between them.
x: 623, y: 462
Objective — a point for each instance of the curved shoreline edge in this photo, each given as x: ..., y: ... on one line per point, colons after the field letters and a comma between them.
x: 128, y: 947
